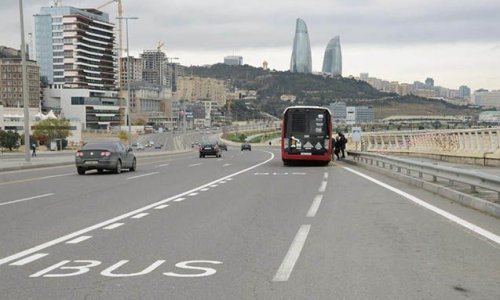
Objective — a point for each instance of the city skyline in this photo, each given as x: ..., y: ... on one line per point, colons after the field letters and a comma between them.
x: 454, y: 44
x: 301, y: 61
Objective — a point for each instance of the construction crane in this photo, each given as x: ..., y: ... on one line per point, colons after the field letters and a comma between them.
x: 160, y: 44
x: 120, y: 51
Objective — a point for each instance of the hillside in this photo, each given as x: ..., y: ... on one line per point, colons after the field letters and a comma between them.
x: 318, y: 90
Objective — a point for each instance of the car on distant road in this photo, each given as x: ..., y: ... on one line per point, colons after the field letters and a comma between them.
x: 139, y: 147
x: 210, y: 149
x: 158, y: 146
x: 246, y: 146
x: 106, y: 155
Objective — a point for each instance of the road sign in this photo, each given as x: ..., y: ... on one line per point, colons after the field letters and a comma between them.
x: 356, y: 134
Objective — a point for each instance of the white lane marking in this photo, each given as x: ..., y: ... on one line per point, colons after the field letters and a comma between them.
x: 292, y: 255
x: 143, y: 175
x: 322, y: 188
x: 113, y: 226
x: 260, y: 173
x: 27, y: 199
x: 298, y: 173
x: 192, y: 194
x: 222, y: 182
x: 314, y: 206
x: 54, y: 176
x: 204, y: 190
x: 474, y: 228
x: 179, y: 199
x: 214, y: 185
x: 29, y: 259
x: 162, y: 206
x: 162, y: 165
x: 226, y: 165
x: 325, y: 177
x: 79, y: 239
x: 229, y: 179
x: 72, y: 235
x: 194, y: 165
x: 141, y: 215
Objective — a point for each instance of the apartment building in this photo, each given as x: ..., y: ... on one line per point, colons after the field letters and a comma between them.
x: 11, y: 83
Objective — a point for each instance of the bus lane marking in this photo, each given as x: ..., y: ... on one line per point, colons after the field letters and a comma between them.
x: 139, y: 216
x: 79, y: 239
x: 314, y: 206
x: 162, y: 206
x: 129, y: 214
x: 322, y: 188
x: 286, y: 267
x: 29, y: 259
x: 113, y: 226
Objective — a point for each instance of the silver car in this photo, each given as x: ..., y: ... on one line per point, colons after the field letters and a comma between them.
x: 106, y: 155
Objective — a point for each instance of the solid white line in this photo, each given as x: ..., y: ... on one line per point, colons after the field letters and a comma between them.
x: 113, y: 226
x: 162, y: 206
x: 292, y: 255
x: 322, y: 188
x: 72, y: 235
x: 325, y: 176
x: 314, y: 206
x: 79, y: 239
x: 141, y: 215
x: 194, y: 165
x: 143, y: 175
x: 27, y: 199
x: 29, y: 259
x: 180, y: 199
x: 474, y: 228
x: 226, y: 165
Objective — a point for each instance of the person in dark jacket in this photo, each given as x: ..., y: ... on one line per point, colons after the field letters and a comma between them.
x: 343, y: 142
x: 336, y: 147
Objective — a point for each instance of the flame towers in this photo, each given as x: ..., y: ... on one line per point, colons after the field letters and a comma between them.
x: 301, y: 61
x: 332, y: 61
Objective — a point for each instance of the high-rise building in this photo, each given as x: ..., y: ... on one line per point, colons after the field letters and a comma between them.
x: 174, y: 71
x: 464, y: 92
x: 192, y: 89
x: 332, y: 61
x: 339, y: 111
x: 359, y: 114
x: 301, y: 61
x: 429, y: 82
x: 75, y: 47
x: 486, y: 98
x: 154, y: 67
x: 135, y: 70
x: 233, y: 60
x: 11, y: 82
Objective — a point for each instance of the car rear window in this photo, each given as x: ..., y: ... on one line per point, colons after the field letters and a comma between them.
x: 100, y: 145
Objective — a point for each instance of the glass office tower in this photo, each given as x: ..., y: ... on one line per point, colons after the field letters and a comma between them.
x: 301, y: 61
x: 332, y: 61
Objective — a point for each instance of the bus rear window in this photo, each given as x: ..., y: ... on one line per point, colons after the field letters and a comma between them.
x: 303, y: 122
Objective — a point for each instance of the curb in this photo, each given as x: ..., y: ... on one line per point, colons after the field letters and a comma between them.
x: 479, y: 204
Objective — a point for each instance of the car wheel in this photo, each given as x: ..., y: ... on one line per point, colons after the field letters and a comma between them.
x: 134, y: 166
x: 118, y: 168
x: 80, y: 170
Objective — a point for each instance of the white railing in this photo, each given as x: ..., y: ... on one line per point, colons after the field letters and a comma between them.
x: 473, y: 143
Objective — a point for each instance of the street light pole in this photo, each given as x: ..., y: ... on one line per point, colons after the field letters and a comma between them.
x: 26, y: 101
x: 128, y: 118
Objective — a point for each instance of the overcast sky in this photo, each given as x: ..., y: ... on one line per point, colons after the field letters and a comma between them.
x: 453, y: 41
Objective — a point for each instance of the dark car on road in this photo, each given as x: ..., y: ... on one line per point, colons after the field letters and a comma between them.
x: 209, y: 149
x: 105, y: 155
x: 246, y: 146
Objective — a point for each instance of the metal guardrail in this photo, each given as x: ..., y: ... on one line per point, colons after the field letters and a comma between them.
x: 472, y: 178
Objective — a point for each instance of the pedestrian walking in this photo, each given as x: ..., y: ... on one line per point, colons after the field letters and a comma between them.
x: 336, y: 147
x: 343, y: 142
x: 33, y: 147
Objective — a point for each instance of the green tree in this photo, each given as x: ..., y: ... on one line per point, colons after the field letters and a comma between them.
x: 123, y: 136
x: 50, y: 129
x: 9, y: 139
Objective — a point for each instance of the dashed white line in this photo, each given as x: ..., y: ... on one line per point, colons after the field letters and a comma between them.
x: 161, y: 206
x: 214, y: 185
x: 325, y: 176
x: 298, y: 173
x: 474, y: 228
x: 143, y: 175
x: 229, y: 179
x: 204, y: 190
x: 192, y: 194
x: 182, y: 199
x: 29, y: 259
x: 113, y: 226
x: 141, y: 215
x: 27, y: 199
x: 322, y: 188
x: 107, y: 222
x: 286, y: 268
x: 226, y: 165
x: 222, y: 182
x: 194, y: 165
x: 314, y: 206
x: 79, y: 239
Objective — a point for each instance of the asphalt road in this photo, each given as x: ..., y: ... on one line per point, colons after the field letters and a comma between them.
x: 240, y: 227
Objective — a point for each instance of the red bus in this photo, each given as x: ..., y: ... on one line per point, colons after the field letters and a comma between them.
x: 306, y: 134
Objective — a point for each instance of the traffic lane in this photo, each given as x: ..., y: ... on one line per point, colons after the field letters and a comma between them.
x: 367, y: 242
x: 240, y: 228
x: 71, y: 207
